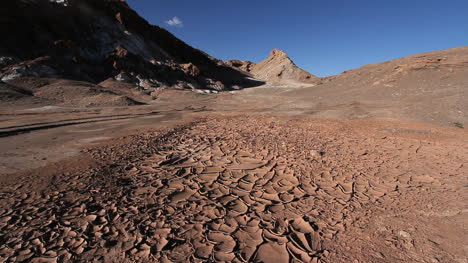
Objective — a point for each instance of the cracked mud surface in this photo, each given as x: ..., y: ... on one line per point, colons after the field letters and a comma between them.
x: 248, y: 189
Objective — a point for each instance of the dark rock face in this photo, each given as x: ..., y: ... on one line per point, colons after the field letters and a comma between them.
x: 241, y: 64
x: 94, y: 40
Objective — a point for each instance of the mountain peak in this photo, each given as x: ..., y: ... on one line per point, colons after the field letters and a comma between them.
x: 278, y: 68
x: 278, y: 53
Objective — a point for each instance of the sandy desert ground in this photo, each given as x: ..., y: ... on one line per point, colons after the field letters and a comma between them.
x: 194, y: 178
x: 120, y: 142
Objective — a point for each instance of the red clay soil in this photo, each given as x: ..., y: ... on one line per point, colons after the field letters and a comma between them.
x: 248, y: 189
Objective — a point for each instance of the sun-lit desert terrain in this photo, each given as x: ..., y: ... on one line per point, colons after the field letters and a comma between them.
x: 192, y: 159
x: 198, y: 183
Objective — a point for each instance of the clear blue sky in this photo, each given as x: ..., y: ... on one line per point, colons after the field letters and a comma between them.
x: 325, y: 37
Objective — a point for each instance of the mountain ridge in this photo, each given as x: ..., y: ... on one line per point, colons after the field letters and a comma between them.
x: 78, y: 39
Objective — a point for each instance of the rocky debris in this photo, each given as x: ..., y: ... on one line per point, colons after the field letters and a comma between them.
x: 134, y: 69
x: 33, y: 68
x: 207, y: 91
x: 214, y: 85
x: 190, y: 69
x: 124, y: 77
x: 147, y: 84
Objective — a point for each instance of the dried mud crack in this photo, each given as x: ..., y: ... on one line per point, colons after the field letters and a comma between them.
x: 239, y: 189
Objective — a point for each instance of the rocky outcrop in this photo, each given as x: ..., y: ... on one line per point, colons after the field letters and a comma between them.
x: 94, y: 40
x: 278, y: 67
x: 191, y: 69
x: 241, y: 64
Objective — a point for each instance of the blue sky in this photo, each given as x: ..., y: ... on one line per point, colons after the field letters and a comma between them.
x: 325, y: 37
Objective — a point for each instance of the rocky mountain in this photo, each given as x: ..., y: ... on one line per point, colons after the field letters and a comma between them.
x: 276, y: 68
x: 102, y: 40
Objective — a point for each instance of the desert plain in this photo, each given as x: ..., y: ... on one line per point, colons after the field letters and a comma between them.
x: 194, y: 178
x: 121, y: 143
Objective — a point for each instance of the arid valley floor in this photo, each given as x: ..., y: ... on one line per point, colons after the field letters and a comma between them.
x: 196, y: 179
x: 120, y: 142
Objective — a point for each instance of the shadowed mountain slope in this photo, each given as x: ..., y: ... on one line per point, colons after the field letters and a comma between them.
x: 96, y: 40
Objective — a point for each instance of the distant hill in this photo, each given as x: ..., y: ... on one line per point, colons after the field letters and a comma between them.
x: 276, y: 68
x: 429, y: 87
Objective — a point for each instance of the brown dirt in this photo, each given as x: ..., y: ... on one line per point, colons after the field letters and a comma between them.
x: 71, y: 93
x: 266, y: 188
x: 344, y: 171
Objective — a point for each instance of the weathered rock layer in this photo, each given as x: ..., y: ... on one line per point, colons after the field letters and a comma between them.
x: 276, y: 68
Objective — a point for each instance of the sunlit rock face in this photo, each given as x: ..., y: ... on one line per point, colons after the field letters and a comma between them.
x: 276, y: 68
